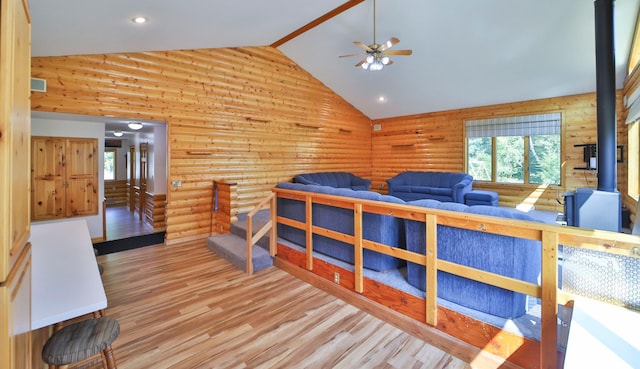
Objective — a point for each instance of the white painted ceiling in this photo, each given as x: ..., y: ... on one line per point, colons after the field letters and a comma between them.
x: 465, y: 52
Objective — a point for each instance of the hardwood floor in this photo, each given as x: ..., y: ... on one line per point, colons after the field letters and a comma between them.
x: 121, y: 223
x: 181, y: 306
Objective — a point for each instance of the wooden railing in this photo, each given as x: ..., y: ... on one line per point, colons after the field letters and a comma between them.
x: 268, y: 227
x: 551, y: 237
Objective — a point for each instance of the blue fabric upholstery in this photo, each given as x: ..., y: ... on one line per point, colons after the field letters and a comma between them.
x: 481, y: 197
x: 441, y: 186
x: 508, y: 256
x: 378, y: 228
x: 334, y: 179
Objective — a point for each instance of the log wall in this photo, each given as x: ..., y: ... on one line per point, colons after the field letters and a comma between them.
x: 154, y: 211
x: 436, y: 142
x: 116, y: 192
x: 245, y: 115
x: 255, y: 118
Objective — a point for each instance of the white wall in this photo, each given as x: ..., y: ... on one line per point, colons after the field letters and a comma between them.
x: 62, y: 128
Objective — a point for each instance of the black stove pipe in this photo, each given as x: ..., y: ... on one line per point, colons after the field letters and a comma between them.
x: 606, y: 96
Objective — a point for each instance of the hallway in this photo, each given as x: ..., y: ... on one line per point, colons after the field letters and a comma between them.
x: 121, y: 223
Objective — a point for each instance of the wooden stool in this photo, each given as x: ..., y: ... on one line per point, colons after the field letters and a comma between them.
x: 82, y: 342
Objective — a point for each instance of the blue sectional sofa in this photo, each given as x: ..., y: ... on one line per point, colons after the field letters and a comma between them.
x: 508, y: 256
x: 334, y: 179
x: 441, y: 186
x: 379, y: 228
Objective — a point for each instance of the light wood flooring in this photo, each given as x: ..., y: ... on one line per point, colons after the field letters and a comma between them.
x: 121, y: 223
x: 181, y: 306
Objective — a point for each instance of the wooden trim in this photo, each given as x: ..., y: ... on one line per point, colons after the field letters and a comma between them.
x: 316, y: 22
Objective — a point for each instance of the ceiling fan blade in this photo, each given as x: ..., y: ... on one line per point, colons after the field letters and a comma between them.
x: 348, y: 55
x: 398, y: 52
x: 361, y: 62
x: 392, y: 41
x: 362, y: 45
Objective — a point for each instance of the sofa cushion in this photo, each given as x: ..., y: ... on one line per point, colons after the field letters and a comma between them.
x: 508, y: 256
x: 442, y: 186
x: 334, y: 179
x: 377, y: 228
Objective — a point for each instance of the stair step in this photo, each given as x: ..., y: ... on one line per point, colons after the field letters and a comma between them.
x: 261, y: 218
x: 233, y: 248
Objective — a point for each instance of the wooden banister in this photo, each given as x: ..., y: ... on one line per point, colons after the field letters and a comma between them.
x: 268, y: 227
x: 551, y: 238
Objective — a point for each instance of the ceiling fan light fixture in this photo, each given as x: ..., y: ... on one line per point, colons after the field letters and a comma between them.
x: 384, y: 60
x: 135, y: 125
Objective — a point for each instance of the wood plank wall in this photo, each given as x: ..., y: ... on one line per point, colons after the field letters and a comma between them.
x: 116, y: 192
x: 245, y: 115
x: 436, y: 142
x: 154, y: 211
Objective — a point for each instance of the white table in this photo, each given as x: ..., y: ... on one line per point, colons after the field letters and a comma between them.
x: 66, y: 282
x: 602, y: 336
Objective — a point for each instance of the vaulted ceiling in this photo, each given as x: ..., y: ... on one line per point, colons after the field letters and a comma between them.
x: 465, y: 52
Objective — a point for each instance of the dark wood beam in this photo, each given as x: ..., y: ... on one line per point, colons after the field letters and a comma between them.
x: 346, y: 6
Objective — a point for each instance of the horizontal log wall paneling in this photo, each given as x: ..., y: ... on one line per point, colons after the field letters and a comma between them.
x: 116, y: 192
x: 436, y: 142
x: 154, y: 211
x: 246, y: 115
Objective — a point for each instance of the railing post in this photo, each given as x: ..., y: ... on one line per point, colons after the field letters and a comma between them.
x: 431, y: 274
x: 309, y: 224
x: 273, y: 235
x: 357, y: 240
x: 249, y: 245
x: 549, y: 302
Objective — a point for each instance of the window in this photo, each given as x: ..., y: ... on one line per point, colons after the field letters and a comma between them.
x: 110, y: 164
x: 523, y: 149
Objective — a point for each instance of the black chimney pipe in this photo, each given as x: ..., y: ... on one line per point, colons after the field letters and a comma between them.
x: 606, y: 96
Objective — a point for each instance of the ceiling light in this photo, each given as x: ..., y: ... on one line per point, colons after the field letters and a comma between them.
x: 382, y: 99
x: 118, y: 133
x: 135, y: 125
x: 139, y: 20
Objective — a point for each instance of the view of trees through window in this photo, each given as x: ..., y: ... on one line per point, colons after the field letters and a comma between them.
x: 109, y: 165
x: 543, y: 159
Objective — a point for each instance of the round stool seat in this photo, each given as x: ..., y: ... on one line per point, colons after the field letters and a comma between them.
x: 80, y: 341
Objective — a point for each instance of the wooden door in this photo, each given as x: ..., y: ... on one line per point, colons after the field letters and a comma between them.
x: 15, y: 299
x: 132, y: 178
x: 47, y: 177
x: 144, y: 172
x: 81, y: 177
x: 64, y: 175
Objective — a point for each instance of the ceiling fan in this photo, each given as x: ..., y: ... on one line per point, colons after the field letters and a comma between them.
x: 377, y: 55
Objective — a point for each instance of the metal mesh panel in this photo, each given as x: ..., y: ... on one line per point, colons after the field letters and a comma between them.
x: 602, y: 276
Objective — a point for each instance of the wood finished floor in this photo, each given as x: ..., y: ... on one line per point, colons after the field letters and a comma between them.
x: 121, y: 223
x: 181, y: 306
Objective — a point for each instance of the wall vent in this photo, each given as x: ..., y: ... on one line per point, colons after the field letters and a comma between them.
x: 38, y: 85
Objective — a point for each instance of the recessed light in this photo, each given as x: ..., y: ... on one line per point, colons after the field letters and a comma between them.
x: 139, y: 20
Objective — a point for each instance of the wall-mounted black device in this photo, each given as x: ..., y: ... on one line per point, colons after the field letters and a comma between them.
x: 590, y: 156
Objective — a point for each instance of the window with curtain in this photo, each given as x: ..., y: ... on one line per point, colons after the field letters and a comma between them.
x: 522, y: 149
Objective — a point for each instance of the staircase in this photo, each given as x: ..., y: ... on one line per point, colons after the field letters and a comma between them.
x: 233, y: 246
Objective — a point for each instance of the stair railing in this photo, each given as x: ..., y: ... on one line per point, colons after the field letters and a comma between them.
x: 268, y: 227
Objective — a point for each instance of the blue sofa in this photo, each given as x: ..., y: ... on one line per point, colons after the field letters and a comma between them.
x: 334, y: 179
x: 441, y: 186
x: 508, y: 256
x: 379, y: 228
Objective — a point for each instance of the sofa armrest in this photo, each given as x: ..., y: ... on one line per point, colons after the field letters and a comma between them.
x: 359, y: 183
x: 461, y: 188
